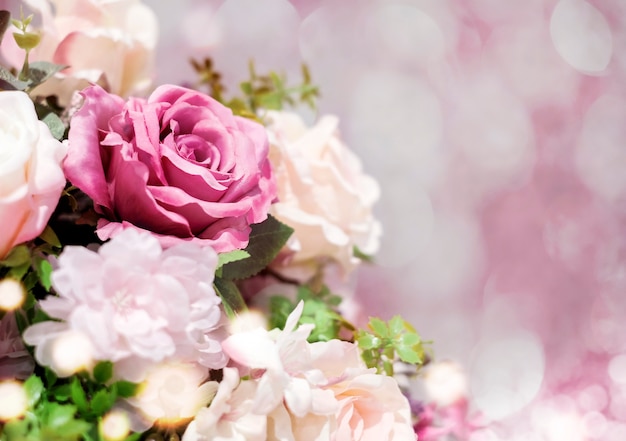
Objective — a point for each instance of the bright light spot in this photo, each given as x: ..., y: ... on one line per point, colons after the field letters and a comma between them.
x: 407, y: 140
x: 493, y: 130
x: 445, y: 382
x: 593, y: 398
x: 12, y: 294
x: 506, y: 373
x: 115, y: 425
x: 533, y: 69
x: 406, y: 33
x: 71, y: 352
x: 560, y: 426
x: 618, y: 402
x: 581, y: 35
x: 617, y: 369
x: 615, y: 432
x: 173, y: 393
x: 248, y: 321
x: 267, y: 32
x: 492, y: 11
x: 595, y: 425
x: 14, y: 401
x: 600, y: 156
x: 484, y: 435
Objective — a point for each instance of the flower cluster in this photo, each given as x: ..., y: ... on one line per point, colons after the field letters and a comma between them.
x: 135, y: 225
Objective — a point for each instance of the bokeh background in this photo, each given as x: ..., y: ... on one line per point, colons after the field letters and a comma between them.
x: 497, y: 131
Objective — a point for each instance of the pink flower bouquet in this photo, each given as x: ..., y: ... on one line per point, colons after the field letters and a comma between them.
x: 170, y: 258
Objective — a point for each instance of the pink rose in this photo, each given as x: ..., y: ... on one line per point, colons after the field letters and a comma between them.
x: 178, y: 164
x: 107, y: 42
x: 31, y: 178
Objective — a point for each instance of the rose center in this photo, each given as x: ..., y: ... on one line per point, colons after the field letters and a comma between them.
x: 196, y: 149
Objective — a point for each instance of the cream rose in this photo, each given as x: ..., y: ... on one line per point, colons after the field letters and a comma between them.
x: 31, y: 178
x: 322, y: 193
x: 109, y: 42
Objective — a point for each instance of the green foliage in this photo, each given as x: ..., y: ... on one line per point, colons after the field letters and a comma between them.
x: 231, y: 256
x: 383, y: 344
x: 32, y: 74
x: 56, y: 126
x: 356, y: 252
x: 231, y: 296
x: 320, y: 309
x: 67, y: 409
x: 266, y: 240
x: 269, y: 91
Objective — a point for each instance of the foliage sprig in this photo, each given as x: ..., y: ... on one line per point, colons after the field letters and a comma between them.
x: 384, y: 344
x: 268, y: 91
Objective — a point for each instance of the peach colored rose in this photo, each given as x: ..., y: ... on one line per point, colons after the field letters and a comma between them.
x: 323, y: 194
x: 31, y: 178
x: 371, y: 406
x: 109, y: 42
x: 318, y: 391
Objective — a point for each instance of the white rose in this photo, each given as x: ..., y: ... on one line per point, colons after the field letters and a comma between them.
x: 109, y: 42
x: 322, y: 193
x: 31, y: 177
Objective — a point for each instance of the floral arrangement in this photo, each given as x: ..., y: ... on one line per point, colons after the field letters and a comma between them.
x: 170, y: 259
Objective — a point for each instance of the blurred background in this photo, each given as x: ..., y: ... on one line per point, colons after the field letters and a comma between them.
x: 497, y: 131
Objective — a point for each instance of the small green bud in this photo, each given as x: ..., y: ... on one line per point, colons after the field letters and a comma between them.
x: 27, y: 41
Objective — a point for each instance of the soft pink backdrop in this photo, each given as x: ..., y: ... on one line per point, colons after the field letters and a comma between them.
x: 496, y: 130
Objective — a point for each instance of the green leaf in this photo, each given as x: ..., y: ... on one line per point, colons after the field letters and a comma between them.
x: 133, y: 437
x: 62, y: 392
x: 21, y: 321
x: 48, y: 235
x: 78, y: 395
x: 280, y: 307
x: 40, y: 71
x: 266, y: 240
x: 102, y: 401
x: 8, y: 81
x: 60, y: 414
x: 396, y: 326
x: 410, y: 339
x: 103, y: 371
x: 356, y: 252
x: 408, y: 354
x: 232, y: 256
x: 126, y: 389
x: 43, y: 268
x: 34, y: 388
x: 379, y: 327
x: 231, y: 297
x: 57, y: 129
x: 18, y: 256
x: 368, y: 341
x: 18, y: 272
x: 50, y: 376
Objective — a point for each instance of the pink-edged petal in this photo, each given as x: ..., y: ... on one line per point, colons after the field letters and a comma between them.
x: 253, y: 349
x: 83, y: 163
